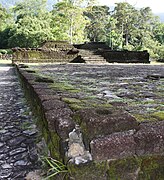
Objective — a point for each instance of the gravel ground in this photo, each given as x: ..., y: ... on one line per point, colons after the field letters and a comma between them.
x: 18, y: 133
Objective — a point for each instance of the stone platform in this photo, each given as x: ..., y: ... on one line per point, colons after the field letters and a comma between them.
x: 101, y: 118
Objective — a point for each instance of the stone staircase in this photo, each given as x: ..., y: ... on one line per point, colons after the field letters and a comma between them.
x: 90, y: 57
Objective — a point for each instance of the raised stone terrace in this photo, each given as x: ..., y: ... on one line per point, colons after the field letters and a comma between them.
x: 105, y: 121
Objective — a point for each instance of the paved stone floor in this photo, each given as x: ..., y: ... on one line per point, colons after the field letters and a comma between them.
x: 18, y: 134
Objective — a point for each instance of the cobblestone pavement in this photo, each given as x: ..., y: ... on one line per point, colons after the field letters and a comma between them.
x: 18, y: 134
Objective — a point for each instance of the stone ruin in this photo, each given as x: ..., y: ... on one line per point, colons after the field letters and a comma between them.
x: 102, y: 142
x: 63, y: 52
x: 48, y: 52
x: 112, y: 56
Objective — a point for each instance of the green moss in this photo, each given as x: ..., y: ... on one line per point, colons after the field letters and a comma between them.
x: 74, y: 90
x: 121, y: 169
x: 35, y: 55
x: 139, y: 117
x: 159, y: 115
x: 152, y: 167
x: 90, y: 97
x: 144, y: 117
x: 106, y: 105
x: 63, y: 86
x: 52, y: 141
x: 88, y: 171
x: 76, y: 107
x: 53, y: 146
x: 77, y: 118
x: 148, y: 167
x: 71, y: 100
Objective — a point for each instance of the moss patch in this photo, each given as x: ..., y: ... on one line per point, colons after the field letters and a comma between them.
x: 159, y: 115
x: 143, y: 117
x: 71, y: 100
x: 147, y: 167
x: 64, y: 87
x: 44, y: 79
x: 89, y: 171
x: 76, y: 107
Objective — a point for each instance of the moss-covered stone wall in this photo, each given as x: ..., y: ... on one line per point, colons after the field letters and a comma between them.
x: 49, y: 52
x: 112, y: 56
x: 99, y: 142
x: 125, y: 56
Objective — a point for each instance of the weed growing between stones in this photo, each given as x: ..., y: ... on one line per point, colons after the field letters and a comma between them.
x: 55, y: 168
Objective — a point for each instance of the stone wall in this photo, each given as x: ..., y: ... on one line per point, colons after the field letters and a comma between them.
x: 111, y: 56
x: 96, y: 143
x: 125, y: 56
x: 92, y: 46
x: 49, y: 52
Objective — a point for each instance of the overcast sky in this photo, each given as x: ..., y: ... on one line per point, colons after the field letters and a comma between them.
x: 157, y: 6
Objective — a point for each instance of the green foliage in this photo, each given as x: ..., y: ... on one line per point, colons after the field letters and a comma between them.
x: 32, y: 25
x: 126, y: 17
x: 78, y: 21
x: 4, y: 36
x: 3, y: 51
x: 30, y: 32
x: 68, y: 21
x: 159, y: 32
x: 55, y: 167
x: 98, y: 19
x: 3, y: 17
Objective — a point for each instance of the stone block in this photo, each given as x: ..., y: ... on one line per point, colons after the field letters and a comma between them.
x: 53, y: 104
x: 114, y: 146
x: 150, y: 138
x: 100, y: 122
x: 59, y: 119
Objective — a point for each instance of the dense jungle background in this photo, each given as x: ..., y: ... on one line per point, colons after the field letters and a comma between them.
x: 29, y: 23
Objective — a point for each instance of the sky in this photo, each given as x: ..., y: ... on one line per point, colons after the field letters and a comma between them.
x: 157, y: 6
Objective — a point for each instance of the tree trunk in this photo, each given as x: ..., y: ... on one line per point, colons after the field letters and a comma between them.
x: 71, y: 30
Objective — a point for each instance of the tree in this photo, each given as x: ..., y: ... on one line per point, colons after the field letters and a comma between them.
x: 32, y: 25
x: 126, y: 19
x: 5, y: 26
x: 4, y: 36
x: 139, y: 29
x: 98, y: 20
x: 3, y: 17
x: 158, y: 32
x: 69, y: 22
x: 30, y: 32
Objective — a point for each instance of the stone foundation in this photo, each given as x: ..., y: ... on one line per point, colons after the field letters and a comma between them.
x: 102, y: 142
x: 49, y: 52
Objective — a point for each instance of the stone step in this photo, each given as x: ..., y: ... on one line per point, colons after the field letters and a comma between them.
x: 101, y: 122
x: 93, y: 57
x: 95, y: 62
x: 148, y: 139
x: 90, y: 57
